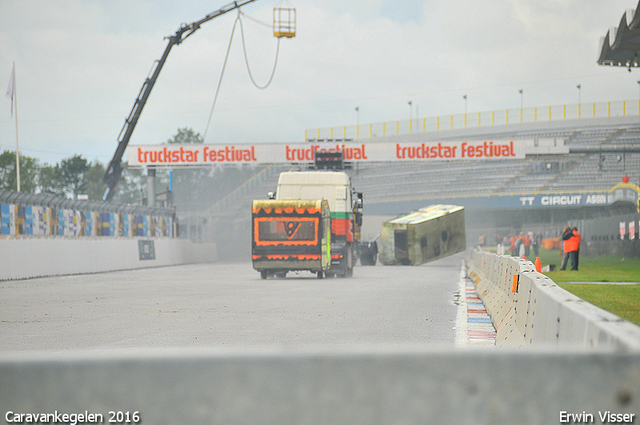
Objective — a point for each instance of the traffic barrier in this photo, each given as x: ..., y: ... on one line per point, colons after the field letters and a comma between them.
x: 48, y: 215
x: 27, y: 257
x: 528, y: 308
x: 336, y: 385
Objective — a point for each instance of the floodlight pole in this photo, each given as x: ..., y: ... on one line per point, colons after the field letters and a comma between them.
x: 521, y: 103
x: 579, y: 86
x: 521, y: 98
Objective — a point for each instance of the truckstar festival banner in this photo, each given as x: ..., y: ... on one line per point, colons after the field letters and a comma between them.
x: 283, y: 153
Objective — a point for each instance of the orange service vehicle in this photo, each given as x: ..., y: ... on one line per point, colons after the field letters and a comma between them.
x: 291, y: 235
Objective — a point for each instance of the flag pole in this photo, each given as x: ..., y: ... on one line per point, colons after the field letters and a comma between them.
x: 15, y: 97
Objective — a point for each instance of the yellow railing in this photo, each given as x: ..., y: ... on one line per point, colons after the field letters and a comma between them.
x: 478, y: 119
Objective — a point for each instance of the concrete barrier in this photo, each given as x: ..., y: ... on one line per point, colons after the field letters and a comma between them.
x: 22, y: 258
x: 540, y: 312
x: 366, y: 386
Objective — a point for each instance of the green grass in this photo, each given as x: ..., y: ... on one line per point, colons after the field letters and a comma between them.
x: 605, y: 268
x: 622, y: 300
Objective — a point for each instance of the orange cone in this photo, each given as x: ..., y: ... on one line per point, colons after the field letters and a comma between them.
x: 538, y: 265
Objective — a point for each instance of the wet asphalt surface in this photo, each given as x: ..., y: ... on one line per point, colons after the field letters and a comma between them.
x: 228, y: 305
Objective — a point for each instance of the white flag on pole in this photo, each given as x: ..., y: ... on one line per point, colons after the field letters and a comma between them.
x: 11, y: 89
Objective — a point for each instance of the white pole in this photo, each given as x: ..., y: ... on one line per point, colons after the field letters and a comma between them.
x: 15, y: 94
x: 15, y: 99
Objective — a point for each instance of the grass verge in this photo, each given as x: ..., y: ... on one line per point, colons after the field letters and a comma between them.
x: 622, y: 300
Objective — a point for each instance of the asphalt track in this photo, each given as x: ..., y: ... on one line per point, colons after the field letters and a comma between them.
x: 228, y: 305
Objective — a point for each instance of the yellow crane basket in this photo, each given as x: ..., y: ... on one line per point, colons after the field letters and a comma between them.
x: 284, y: 22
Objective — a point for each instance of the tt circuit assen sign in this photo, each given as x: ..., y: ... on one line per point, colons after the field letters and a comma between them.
x: 283, y: 153
x: 619, y: 193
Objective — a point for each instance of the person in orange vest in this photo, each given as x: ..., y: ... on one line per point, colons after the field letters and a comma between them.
x: 513, y: 248
x: 578, y: 237
x: 570, y: 248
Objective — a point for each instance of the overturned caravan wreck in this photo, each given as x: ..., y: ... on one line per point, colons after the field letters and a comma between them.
x: 430, y: 233
x: 289, y: 235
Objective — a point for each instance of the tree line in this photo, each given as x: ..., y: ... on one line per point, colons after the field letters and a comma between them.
x: 70, y: 177
x: 194, y: 189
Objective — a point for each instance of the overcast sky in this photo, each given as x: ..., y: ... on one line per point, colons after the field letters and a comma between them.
x: 80, y: 65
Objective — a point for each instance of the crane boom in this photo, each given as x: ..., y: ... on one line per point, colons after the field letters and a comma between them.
x: 114, y: 169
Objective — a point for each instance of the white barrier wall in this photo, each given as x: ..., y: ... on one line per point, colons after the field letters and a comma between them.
x: 24, y: 258
x: 366, y: 386
x: 540, y: 312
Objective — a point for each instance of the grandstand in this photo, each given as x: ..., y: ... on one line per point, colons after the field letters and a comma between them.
x: 387, y: 183
x: 487, y: 188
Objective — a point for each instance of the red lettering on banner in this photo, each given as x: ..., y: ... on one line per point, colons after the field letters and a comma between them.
x: 304, y: 153
x: 164, y: 155
x: 488, y: 150
x: 229, y: 154
x: 436, y: 151
x: 309, y: 154
x: 450, y: 151
x: 349, y: 153
x: 300, y: 154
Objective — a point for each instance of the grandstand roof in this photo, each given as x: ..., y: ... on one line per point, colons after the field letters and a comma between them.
x: 621, y: 45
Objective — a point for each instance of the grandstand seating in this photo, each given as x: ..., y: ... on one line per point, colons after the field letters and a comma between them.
x: 387, y: 182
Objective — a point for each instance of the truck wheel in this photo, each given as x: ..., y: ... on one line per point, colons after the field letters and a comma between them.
x: 348, y: 272
x: 263, y: 274
x: 348, y: 267
x: 368, y: 259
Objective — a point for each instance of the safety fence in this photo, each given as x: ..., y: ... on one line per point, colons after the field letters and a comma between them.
x: 528, y: 308
x: 535, y: 114
x: 47, y: 215
x: 617, y: 235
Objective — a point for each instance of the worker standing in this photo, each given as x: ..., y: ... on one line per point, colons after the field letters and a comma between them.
x: 570, y: 249
x: 578, y: 237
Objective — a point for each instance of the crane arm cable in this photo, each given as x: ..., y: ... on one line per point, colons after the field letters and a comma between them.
x: 246, y: 60
x: 224, y: 66
x: 256, y: 20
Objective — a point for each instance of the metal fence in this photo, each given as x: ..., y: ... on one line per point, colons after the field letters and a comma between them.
x: 49, y: 215
x: 534, y: 114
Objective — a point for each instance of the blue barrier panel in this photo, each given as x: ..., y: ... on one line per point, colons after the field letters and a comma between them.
x: 5, y: 219
x: 61, y: 222
x: 28, y: 220
x: 113, y: 227
x: 90, y: 224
